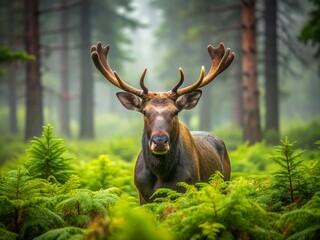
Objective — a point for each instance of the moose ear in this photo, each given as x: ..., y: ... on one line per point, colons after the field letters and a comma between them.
x: 130, y: 101
x: 188, y: 100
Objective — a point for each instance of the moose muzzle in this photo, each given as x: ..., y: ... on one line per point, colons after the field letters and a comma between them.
x: 159, y: 144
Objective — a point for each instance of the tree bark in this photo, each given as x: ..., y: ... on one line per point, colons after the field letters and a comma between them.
x: 271, y: 72
x: 12, y: 100
x: 34, y: 115
x: 86, y: 102
x: 64, y: 71
x: 206, y: 110
x: 12, y: 96
x: 237, y: 96
x: 251, y: 112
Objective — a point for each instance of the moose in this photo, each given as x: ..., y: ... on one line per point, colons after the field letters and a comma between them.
x: 170, y: 152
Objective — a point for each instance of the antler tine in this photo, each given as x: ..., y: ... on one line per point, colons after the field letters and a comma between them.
x: 99, y: 56
x: 175, y: 88
x: 126, y: 87
x: 194, y: 86
x: 221, y: 60
x: 142, y: 85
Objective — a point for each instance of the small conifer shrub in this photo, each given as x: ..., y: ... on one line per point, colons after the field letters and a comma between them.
x: 288, y: 182
x: 45, y: 157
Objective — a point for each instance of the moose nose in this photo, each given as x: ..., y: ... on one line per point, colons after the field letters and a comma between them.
x: 160, y: 140
x: 159, y: 144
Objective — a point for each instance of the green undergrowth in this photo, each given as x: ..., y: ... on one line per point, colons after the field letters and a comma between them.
x: 84, y: 190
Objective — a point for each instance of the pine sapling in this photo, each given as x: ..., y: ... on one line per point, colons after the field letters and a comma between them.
x: 286, y: 182
x: 45, y: 157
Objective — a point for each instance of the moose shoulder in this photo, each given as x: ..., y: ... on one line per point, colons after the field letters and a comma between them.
x: 170, y: 152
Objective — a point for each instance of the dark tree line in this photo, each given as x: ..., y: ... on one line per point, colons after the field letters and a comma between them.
x: 256, y: 111
x: 42, y: 37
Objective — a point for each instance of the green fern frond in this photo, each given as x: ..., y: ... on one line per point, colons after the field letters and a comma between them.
x: 300, y: 222
x: 103, y: 173
x: 210, y: 231
x: 312, y: 232
x: 165, y: 194
x: 7, y: 235
x: 54, y: 188
x: 66, y: 233
x: 37, y: 220
x: 127, y: 223
x: 81, y: 206
x: 19, y: 185
x: 314, y: 203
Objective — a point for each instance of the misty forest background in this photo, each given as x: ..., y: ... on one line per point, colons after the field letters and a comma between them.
x: 49, y: 87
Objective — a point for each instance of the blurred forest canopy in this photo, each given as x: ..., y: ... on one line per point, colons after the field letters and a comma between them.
x: 162, y: 36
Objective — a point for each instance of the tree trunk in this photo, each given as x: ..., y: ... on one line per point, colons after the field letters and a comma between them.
x: 64, y: 68
x: 237, y: 96
x: 251, y: 112
x: 271, y: 72
x: 34, y: 117
x: 86, y: 107
x: 12, y: 96
x: 206, y: 109
x: 12, y: 100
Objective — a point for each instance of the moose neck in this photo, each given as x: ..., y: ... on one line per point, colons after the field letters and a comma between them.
x: 162, y: 165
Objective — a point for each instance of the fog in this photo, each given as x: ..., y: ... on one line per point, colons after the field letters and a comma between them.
x: 164, y: 40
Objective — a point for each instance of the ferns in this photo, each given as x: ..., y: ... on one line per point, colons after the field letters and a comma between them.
x: 127, y: 223
x: 19, y: 185
x: 45, y: 157
x: 214, y: 211
x: 82, y: 206
x: 47, y: 200
x: 45, y: 196
x: 303, y: 223
x: 24, y: 209
x: 103, y: 174
x: 65, y: 233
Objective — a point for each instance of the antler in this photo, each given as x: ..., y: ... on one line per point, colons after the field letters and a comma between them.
x: 221, y: 59
x: 99, y: 56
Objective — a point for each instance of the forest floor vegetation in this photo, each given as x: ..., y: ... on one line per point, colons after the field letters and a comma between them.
x: 52, y: 189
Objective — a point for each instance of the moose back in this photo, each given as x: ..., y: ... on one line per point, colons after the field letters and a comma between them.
x: 170, y: 152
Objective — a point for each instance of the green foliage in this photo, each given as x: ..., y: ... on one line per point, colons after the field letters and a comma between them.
x: 100, y: 201
x: 310, y: 130
x: 311, y: 30
x: 66, y: 233
x: 127, y: 223
x: 231, y: 134
x: 287, y: 183
x: 81, y: 206
x: 11, y: 149
x: 214, y: 210
x: 6, y: 55
x: 19, y: 185
x: 250, y: 159
x: 24, y: 209
x: 102, y: 173
x: 45, y: 157
x: 302, y: 223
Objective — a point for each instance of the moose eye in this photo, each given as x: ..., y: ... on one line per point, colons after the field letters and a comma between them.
x: 143, y: 112
x: 176, y: 113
